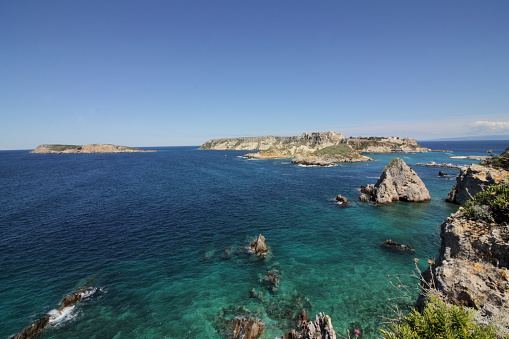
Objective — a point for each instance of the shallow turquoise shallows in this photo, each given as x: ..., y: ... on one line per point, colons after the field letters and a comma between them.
x: 149, y: 231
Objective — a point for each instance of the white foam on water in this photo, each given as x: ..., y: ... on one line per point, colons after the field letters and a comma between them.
x: 57, y: 317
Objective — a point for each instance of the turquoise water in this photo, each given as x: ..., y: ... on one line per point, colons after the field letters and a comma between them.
x: 150, y: 231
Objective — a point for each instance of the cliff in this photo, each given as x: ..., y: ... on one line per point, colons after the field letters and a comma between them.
x: 90, y: 148
x: 306, y: 143
x: 398, y: 181
x: 311, y: 142
x: 473, y: 268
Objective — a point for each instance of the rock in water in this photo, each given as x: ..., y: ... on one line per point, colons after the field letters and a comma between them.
x: 472, y: 179
x: 321, y: 328
x: 341, y: 200
x: 33, y: 330
x: 398, y: 182
x: 247, y: 328
x: 259, y: 247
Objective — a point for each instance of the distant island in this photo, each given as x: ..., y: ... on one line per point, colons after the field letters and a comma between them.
x: 319, y: 149
x: 90, y: 148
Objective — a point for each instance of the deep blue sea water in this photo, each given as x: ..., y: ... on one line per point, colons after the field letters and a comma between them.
x: 150, y: 231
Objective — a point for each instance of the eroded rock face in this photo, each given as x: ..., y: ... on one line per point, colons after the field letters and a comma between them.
x: 473, y: 267
x: 398, y: 182
x: 472, y: 179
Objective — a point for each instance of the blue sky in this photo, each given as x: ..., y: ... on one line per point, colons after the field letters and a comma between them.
x: 162, y: 73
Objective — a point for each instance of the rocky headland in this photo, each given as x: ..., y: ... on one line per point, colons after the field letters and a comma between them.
x: 90, y: 148
x: 398, y: 182
x: 473, y: 179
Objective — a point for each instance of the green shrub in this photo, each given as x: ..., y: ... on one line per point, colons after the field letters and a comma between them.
x: 490, y: 205
x: 499, y: 161
x: 439, y: 320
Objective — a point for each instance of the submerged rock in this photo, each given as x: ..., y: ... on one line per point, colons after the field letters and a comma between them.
x: 259, y: 247
x: 271, y: 280
x: 392, y: 244
x: 472, y: 179
x: 398, y: 182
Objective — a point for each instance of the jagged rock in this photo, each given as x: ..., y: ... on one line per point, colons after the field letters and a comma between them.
x: 473, y: 268
x: 321, y: 328
x: 341, y: 199
x: 397, y: 182
x: 259, y: 247
x: 442, y: 173
x: 90, y: 148
x: 393, y: 244
x: 472, y: 179
x: 33, y: 330
x: 247, y: 328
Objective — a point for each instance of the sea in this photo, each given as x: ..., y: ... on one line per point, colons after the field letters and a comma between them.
x: 160, y: 239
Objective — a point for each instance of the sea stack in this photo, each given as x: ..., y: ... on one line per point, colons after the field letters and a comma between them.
x: 259, y: 247
x: 398, y: 182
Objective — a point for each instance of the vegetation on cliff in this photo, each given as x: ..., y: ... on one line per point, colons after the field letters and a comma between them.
x: 439, y: 319
x: 499, y: 161
x: 490, y: 205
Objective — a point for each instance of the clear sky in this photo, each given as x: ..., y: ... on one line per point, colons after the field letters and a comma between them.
x: 180, y: 72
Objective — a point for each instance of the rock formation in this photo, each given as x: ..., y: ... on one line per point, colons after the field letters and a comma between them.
x: 321, y: 328
x: 398, y: 182
x: 473, y: 268
x: 341, y: 199
x: 393, y: 244
x: 472, y: 179
x: 259, y: 247
x: 37, y: 327
x: 247, y: 328
x: 33, y: 330
x: 91, y: 148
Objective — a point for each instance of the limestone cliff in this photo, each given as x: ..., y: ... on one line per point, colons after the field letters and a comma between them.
x: 90, y: 148
x: 472, y: 179
x: 280, y: 146
x: 385, y: 145
x: 473, y: 268
x: 397, y: 182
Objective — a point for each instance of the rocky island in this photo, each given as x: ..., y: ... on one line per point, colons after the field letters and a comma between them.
x: 398, y: 182
x: 319, y: 148
x: 90, y: 148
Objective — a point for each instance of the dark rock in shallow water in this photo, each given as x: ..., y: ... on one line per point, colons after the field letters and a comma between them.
x: 33, y: 330
x: 392, y: 244
x: 272, y: 280
x: 259, y: 247
x: 442, y: 174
